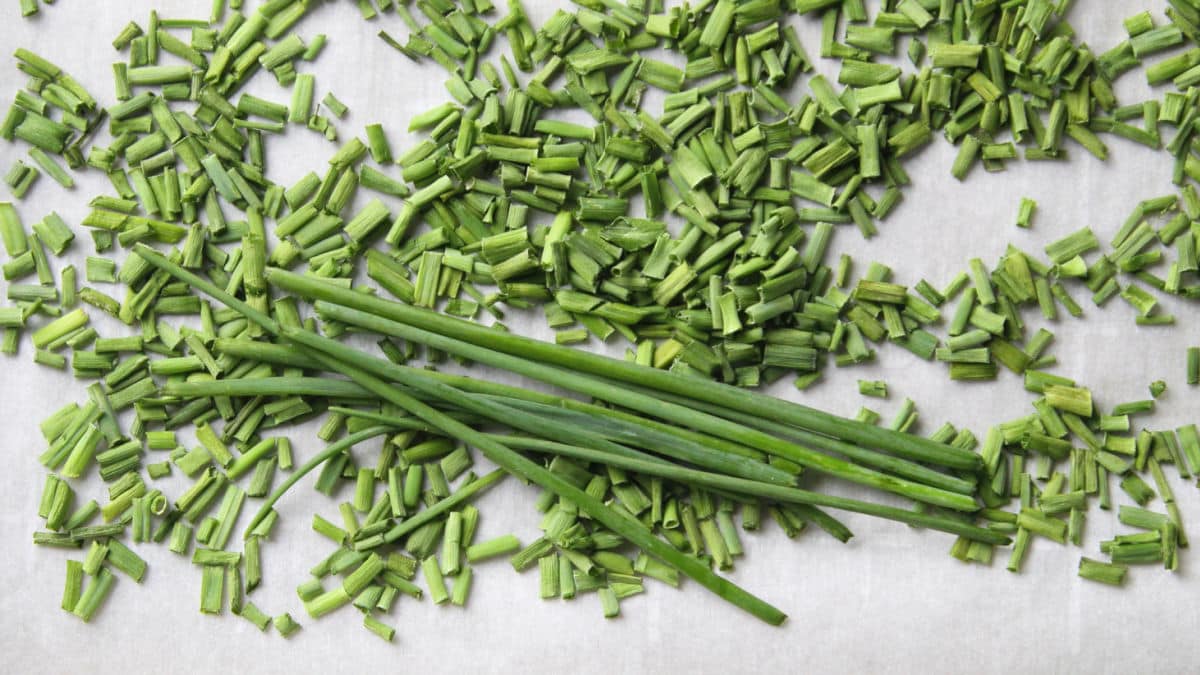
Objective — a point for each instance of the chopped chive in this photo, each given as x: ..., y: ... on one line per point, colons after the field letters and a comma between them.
x: 1106, y: 573
x: 489, y: 549
x: 435, y: 581
x: 285, y: 625
x: 94, y: 594
x: 338, y: 108
x: 873, y: 388
x: 381, y: 629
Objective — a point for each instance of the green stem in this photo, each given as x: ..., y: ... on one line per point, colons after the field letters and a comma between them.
x: 646, y: 436
x: 896, y: 465
x: 739, y: 486
x: 267, y: 386
x: 498, y: 453
x: 282, y: 355
x: 656, y: 407
x: 904, y: 445
x: 485, y: 408
x: 893, y: 465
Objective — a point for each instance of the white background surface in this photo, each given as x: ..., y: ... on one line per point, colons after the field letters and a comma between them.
x: 891, y: 600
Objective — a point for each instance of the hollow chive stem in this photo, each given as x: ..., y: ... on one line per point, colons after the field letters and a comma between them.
x: 678, y: 414
x: 722, y: 482
x: 681, y: 414
x: 548, y: 427
x: 634, y: 532
x: 282, y: 355
x: 267, y: 386
x: 894, y: 465
x: 642, y: 433
x: 648, y: 428
x: 904, y: 445
x: 677, y: 446
x: 682, y: 440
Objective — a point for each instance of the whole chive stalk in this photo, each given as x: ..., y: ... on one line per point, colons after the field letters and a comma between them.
x: 675, y: 413
x: 908, y: 446
x: 742, y: 486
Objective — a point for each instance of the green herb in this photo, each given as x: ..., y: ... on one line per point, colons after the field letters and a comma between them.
x: 285, y: 625
x: 738, y: 297
x: 1025, y: 213
x: 874, y: 388
x: 1105, y: 573
x: 381, y: 629
x: 499, y: 546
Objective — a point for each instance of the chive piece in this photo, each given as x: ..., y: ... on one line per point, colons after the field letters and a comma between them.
x: 302, y: 96
x: 73, y: 588
x: 12, y: 232
x: 435, y: 581
x: 212, y: 585
x: 1071, y: 399
x: 381, y: 629
x: 51, y: 167
x: 1105, y: 573
x: 609, y: 604
x: 254, y: 615
x: 285, y: 625
x: 548, y: 568
x: 381, y: 152
x: 873, y: 388
x: 335, y: 106
x: 499, y: 546
x: 1025, y: 212
x: 94, y: 595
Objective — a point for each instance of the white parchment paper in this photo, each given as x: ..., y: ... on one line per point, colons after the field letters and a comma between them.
x: 891, y: 600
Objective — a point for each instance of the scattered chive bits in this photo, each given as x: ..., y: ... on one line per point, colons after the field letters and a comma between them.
x: 237, y: 289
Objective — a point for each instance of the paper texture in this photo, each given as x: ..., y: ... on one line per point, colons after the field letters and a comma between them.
x: 889, y: 601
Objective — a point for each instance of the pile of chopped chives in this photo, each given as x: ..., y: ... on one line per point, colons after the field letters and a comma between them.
x: 644, y: 481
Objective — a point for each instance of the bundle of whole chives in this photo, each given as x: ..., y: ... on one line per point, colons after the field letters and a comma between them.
x: 565, y: 378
